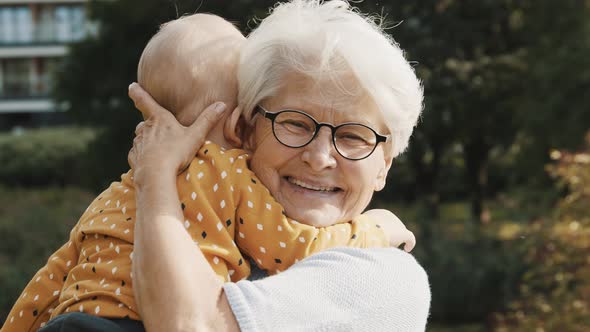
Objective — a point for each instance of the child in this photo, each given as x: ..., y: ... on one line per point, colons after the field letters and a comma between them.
x: 186, y: 66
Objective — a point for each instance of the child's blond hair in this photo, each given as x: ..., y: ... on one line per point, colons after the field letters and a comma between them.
x: 190, y: 63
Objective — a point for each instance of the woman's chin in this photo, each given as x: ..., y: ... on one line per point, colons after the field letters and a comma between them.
x: 314, y: 217
x: 310, y: 207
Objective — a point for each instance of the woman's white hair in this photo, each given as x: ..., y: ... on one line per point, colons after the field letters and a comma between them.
x: 316, y: 38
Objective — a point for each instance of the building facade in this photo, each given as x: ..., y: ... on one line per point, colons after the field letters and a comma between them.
x: 34, y: 36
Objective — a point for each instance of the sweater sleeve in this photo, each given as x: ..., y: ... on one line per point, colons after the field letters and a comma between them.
x: 342, y: 289
x: 41, y: 295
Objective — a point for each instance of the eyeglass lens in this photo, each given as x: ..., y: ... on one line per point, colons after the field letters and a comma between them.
x: 295, y: 129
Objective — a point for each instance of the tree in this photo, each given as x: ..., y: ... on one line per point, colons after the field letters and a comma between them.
x: 491, y: 71
x: 555, y: 107
x: 469, y: 55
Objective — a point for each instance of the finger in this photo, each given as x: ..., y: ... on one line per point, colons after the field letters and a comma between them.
x: 144, y: 102
x: 206, y: 121
x: 411, y: 243
x: 138, y: 127
x: 131, y: 158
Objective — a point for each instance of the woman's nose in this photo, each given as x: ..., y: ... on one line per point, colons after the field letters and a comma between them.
x: 320, y: 153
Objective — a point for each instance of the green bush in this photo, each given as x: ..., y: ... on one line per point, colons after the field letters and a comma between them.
x: 44, y: 157
x: 33, y: 224
x: 471, y: 274
x: 555, y: 292
x: 473, y: 269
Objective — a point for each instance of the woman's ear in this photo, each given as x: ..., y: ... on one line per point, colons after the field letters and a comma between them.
x: 249, y: 137
x: 233, y: 130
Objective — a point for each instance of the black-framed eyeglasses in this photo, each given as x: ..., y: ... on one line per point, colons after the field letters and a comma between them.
x: 296, y: 129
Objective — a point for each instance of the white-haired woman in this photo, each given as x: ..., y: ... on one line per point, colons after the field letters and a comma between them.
x: 322, y: 67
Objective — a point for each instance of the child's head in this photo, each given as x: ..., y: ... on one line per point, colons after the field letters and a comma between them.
x: 190, y: 63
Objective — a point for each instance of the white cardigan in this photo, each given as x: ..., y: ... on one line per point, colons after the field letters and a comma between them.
x: 342, y: 289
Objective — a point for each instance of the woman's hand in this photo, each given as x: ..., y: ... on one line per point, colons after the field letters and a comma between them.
x: 164, y: 253
x: 162, y: 145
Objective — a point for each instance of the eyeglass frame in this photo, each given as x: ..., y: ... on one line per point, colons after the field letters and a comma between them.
x: 318, y: 125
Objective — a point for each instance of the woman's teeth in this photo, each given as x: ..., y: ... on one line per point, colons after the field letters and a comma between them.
x: 309, y: 186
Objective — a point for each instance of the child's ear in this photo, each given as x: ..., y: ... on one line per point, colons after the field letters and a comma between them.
x: 233, y: 130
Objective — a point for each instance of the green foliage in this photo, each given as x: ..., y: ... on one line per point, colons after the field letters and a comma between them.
x: 470, y: 57
x: 499, y: 77
x: 472, y: 272
x: 33, y: 224
x: 45, y: 156
x: 556, y: 83
x: 555, y: 291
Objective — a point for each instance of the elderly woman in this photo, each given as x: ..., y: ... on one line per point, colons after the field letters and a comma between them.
x: 351, y: 100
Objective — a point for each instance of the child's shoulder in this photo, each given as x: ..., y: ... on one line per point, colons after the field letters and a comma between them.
x: 210, y: 147
x: 218, y: 156
x: 214, y: 163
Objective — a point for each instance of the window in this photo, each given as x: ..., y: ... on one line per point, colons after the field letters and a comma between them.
x: 61, y: 23
x: 45, y: 26
x: 24, y: 25
x: 69, y: 23
x: 63, y: 31
x: 46, y: 69
x: 16, y: 25
x: 16, y: 74
x: 78, y: 23
x: 7, y: 25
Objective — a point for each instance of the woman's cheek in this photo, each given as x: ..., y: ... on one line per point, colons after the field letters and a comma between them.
x: 265, y: 173
x: 269, y: 178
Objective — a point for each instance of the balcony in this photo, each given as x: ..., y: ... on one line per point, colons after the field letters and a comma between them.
x: 31, y: 51
x: 27, y: 105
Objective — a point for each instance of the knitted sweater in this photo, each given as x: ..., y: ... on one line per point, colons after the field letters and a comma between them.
x: 341, y: 289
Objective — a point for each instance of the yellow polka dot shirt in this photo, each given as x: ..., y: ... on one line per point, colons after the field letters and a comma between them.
x: 228, y: 213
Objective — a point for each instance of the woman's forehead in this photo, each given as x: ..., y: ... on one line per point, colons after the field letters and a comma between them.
x: 336, y: 100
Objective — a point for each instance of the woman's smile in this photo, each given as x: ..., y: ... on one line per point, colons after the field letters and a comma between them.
x: 311, y: 194
x: 311, y: 185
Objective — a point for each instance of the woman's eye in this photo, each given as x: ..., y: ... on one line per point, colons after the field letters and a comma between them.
x: 293, y: 124
x: 351, y: 137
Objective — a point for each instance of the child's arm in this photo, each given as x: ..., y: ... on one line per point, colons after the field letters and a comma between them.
x: 394, y: 229
x: 276, y: 242
x: 35, y: 304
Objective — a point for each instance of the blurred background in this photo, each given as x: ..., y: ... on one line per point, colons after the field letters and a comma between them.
x: 495, y: 185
